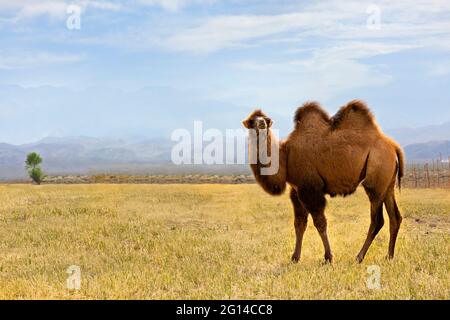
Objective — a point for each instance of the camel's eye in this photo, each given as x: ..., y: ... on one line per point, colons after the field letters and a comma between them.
x: 251, y: 122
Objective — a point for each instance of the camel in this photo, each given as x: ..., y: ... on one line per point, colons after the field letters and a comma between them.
x: 331, y: 155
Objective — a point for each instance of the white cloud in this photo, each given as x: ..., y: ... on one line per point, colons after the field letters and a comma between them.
x: 20, y: 10
x: 326, y: 73
x: 231, y: 31
x: 407, y: 20
x: 103, y: 5
x: 54, y: 9
x: 360, y: 50
x: 20, y: 60
x: 334, y: 53
x: 174, y: 5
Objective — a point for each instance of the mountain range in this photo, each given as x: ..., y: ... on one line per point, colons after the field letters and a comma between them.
x: 78, y: 155
x: 407, y: 136
x: 138, y: 154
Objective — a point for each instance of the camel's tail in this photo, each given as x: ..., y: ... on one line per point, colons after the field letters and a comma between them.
x: 401, y: 165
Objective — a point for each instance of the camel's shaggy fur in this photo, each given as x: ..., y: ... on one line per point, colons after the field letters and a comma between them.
x: 333, y: 155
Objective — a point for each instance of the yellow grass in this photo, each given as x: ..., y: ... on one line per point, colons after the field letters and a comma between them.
x: 210, y: 242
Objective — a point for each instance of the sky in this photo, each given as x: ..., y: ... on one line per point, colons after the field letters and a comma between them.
x: 146, y: 67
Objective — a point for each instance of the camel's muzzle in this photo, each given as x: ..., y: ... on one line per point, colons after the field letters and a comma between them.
x: 261, y: 123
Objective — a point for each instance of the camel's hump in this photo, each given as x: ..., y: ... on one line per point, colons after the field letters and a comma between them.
x: 308, y: 108
x: 354, y: 113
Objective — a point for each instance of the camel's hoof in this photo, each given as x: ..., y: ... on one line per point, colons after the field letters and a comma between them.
x: 329, y: 259
x: 359, y: 259
x: 295, y: 258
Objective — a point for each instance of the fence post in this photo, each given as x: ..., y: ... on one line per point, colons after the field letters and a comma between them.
x: 427, y: 173
x: 417, y: 167
x: 415, y: 176
x: 437, y: 169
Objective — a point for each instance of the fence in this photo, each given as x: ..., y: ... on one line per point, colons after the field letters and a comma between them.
x: 432, y: 174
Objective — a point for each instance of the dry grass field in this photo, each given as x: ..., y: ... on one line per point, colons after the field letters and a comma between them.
x: 210, y: 242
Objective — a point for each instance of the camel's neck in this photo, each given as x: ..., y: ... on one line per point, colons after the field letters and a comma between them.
x: 268, y: 162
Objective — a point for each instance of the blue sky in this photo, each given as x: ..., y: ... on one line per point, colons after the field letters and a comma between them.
x: 149, y: 66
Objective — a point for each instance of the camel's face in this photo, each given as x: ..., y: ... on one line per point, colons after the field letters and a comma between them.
x: 257, y: 120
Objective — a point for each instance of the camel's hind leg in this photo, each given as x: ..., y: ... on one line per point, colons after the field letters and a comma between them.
x: 301, y: 219
x: 376, y: 222
x: 395, y: 219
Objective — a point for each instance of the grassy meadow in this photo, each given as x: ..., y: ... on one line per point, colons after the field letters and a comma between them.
x: 210, y: 242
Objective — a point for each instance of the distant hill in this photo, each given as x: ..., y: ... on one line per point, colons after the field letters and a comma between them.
x: 83, y: 154
x: 87, y: 155
x: 428, y: 151
x: 138, y: 155
x: 407, y: 136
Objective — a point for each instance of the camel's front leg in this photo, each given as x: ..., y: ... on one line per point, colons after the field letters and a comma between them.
x: 315, y: 203
x: 301, y: 219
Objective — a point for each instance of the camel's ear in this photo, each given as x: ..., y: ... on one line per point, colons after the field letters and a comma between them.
x: 246, y: 123
x: 269, y: 122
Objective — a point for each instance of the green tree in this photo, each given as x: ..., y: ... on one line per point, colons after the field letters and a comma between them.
x: 32, y: 164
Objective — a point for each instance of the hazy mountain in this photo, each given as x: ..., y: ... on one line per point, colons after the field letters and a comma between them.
x: 428, y: 151
x: 135, y: 155
x: 80, y: 155
x: 406, y: 136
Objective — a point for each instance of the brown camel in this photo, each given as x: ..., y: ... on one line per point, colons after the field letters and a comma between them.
x: 324, y: 155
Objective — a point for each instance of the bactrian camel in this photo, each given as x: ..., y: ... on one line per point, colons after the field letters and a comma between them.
x: 331, y: 155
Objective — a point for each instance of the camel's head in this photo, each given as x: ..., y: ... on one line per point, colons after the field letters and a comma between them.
x: 257, y: 120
